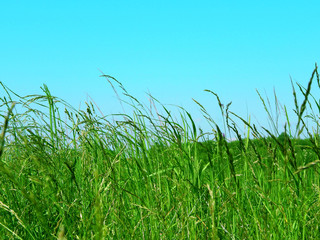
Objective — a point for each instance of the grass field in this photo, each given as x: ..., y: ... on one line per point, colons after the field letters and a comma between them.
x: 76, y: 174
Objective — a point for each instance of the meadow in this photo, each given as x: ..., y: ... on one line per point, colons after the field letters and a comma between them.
x: 69, y: 173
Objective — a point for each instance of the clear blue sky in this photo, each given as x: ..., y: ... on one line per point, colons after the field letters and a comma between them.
x: 172, y: 49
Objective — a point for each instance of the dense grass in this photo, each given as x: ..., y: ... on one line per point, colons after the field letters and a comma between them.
x: 76, y: 174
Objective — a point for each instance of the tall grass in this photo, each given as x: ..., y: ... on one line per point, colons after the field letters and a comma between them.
x: 76, y: 174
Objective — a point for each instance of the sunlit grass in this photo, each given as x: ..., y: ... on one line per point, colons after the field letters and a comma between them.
x: 75, y: 174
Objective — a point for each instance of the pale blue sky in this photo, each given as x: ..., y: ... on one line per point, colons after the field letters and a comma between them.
x: 172, y: 49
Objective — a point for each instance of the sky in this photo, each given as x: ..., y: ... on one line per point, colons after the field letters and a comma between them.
x: 171, y: 49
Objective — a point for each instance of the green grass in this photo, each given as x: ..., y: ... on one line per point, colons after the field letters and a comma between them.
x: 76, y: 174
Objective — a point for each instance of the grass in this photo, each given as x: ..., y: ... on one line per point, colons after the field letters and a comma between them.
x: 76, y: 174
